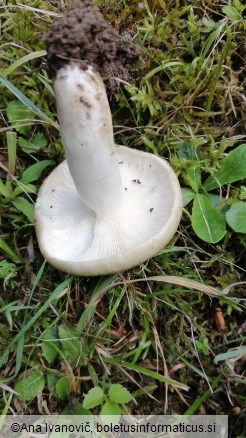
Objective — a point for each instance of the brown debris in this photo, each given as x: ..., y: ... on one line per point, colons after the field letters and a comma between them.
x: 83, y: 35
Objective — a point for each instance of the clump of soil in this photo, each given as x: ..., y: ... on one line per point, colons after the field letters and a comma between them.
x: 83, y: 35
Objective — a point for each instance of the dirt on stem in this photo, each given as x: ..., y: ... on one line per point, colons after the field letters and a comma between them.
x: 83, y: 35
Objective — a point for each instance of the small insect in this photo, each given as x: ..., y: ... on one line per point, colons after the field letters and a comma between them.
x: 136, y: 181
x: 51, y: 206
x: 126, y: 188
x: 151, y: 209
x: 219, y: 319
x: 120, y: 162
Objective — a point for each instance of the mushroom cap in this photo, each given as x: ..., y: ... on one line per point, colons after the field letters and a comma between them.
x: 75, y: 240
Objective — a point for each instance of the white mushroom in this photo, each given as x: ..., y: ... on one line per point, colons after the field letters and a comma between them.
x: 106, y: 208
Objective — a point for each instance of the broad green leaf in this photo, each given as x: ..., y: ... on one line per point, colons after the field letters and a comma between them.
x: 29, y: 386
x: 193, y: 177
x: 33, y: 172
x: 26, y: 188
x: 5, y: 190
x: 38, y: 142
x: 207, y: 222
x: 50, y: 344
x: 118, y: 394
x: 188, y: 195
x: 18, y: 112
x: 51, y: 378
x: 63, y: 388
x: 93, y: 398
x: 215, y: 200
x: 110, y: 408
x: 236, y: 217
x: 232, y: 168
x: 25, y: 207
x: 71, y: 343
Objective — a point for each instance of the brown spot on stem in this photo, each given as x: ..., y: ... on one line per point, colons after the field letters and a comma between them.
x: 85, y: 102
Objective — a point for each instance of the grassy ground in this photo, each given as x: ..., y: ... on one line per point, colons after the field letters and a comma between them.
x: 61, y: 336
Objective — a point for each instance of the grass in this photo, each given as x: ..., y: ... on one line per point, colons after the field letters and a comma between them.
x: 178, y: 321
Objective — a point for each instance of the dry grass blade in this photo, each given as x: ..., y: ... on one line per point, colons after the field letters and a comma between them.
x: 184, y: 282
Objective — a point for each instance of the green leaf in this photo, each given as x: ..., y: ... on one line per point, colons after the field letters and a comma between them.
x: 27, y: 188
x: 51, y: 378
x: 193, y: 177
x: 33, y: 172
x: 5, y: 190
x: 25, y: 207
x: 110, y: 408
x: 74, y: 350
x: 236, y: 217
x: 232, y: 168
x: 50, y: 344
x: 8, y: 251
x: 30, y: 385
x: 118, y: 394
x: 230, y: 354
x: 63, y: 388
x: 238, y: 6
x: 18, y: 112
x: 207, y: 222
x: 26, y: 102
x: 7, y: 269
x: 231, y: 12
x: 77, y: 409
x: 188, y: 195
x: 38, y: 142
x: 93, y: 398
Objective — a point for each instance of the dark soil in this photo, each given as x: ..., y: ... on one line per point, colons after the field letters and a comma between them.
x: 83, y: 35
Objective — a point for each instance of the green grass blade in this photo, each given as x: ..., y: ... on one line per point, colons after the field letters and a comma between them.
x: 109, y: 318
x: 22, y: 61
x: 11, y: 143
x: 197, y: 403
x: 216, y: 77
x: 101, y: 288
x: 8, y: 251
x: 145, y: 371
x: 39, y: 312
x: 27, y: 102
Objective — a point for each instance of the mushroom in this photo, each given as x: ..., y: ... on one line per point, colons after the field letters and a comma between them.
x: 106, y: 208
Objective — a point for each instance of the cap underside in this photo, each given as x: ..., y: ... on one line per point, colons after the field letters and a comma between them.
x: 68, y: 231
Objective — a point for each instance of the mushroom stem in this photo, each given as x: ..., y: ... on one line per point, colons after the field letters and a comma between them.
x: 87, y: 135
